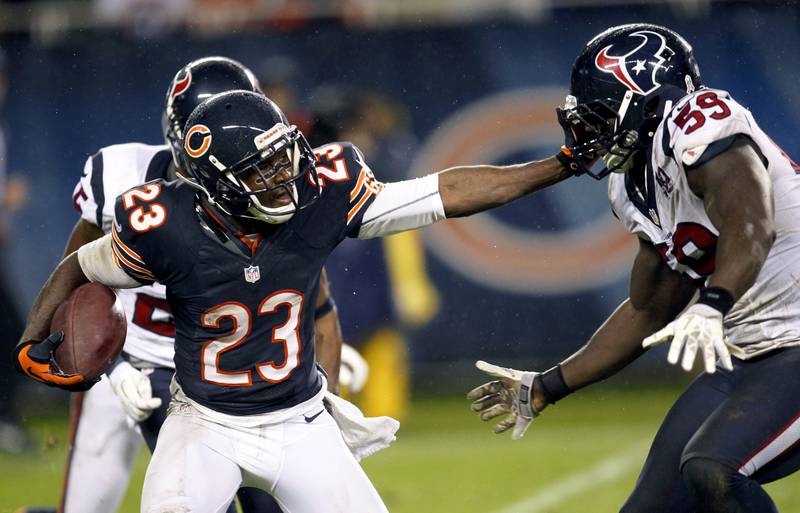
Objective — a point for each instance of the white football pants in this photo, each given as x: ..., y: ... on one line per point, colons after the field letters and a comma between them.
x: 104, y: 445
x: 200, y: 462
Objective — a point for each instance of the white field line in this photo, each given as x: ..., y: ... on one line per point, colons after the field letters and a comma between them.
x: 605, y: 471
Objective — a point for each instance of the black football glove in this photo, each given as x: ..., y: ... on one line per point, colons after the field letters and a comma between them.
x: 576, y: 154
x: 36, y: 360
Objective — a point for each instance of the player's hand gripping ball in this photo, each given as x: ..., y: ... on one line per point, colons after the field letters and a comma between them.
x: 87, y: 334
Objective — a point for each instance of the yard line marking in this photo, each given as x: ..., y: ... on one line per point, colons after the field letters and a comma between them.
x: 607, y: 470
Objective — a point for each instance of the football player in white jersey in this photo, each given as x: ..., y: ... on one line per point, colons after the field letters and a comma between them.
x: 716, y: 207
x: 110, y: 420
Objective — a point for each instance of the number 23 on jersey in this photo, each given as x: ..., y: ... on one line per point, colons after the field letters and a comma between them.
x: 242, y: 319
x: 144, y: 217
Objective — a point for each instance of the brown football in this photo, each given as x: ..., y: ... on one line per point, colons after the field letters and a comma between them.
x: 94, y: 329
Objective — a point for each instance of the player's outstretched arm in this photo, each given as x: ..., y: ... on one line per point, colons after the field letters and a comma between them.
x: 657, y: 294
x: 329, y: 333
x: 466, y: 190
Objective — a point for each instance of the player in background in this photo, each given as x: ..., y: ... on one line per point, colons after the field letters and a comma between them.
x: 240, y: 242
x: 716, y: 206
x: 104, y: 440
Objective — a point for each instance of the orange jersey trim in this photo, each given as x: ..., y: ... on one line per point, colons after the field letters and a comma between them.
x: 140, y: 270
x: 125, y: 248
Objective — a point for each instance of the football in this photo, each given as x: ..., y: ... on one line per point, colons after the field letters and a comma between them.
x: 94, y: 329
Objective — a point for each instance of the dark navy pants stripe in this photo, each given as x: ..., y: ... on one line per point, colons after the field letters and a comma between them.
x: 97, y: 186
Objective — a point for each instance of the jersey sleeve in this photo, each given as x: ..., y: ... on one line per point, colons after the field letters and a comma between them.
x: 88, y: 197
x: 135, y: 234
x: 703, y: 125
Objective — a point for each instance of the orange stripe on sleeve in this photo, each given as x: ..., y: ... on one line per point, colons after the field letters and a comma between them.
x: 362, y: 177
x: 358, y: 206
x: 127, y: 263
x: 125, y: 248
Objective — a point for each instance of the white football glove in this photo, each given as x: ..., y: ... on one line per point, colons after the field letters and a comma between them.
x: 132, y: 386
x: 699, y: 327
x: 353, y: 371
x: 510, y: 394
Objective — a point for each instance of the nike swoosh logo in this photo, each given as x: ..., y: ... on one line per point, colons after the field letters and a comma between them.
x: 311, y: 418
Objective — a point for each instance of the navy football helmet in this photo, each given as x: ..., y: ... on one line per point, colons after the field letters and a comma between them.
x: 621, y: 84
x: 235, y: 136
x: 194, y: 83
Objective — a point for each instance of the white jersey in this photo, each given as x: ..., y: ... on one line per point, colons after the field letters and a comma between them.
x: 107, y: 174
x: 670, y: 216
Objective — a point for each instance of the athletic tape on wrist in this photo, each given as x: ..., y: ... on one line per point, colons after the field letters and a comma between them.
x: 718, y: 298
x: 554, y: 388
x: 526, y: 408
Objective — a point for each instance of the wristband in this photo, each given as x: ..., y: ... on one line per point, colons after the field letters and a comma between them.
x: 718, y: 298
x: 568, y: 161
x: 554, y: 388
x: 323, y: 309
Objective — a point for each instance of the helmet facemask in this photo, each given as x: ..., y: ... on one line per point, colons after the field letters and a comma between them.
x: 283, y: 154
x: 595, y: 127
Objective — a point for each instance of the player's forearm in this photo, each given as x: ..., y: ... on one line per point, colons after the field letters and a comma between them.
x: 67, y: 277
x: 329, y: 347
x: 614, y: 345
x: 466, y: 190
x: 83, y: 233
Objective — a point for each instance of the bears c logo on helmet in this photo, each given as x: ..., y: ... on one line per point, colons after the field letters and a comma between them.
x: 650, y: 53
x: 204, y: 135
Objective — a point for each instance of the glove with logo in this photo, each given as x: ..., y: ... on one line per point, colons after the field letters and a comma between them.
x: 36, y: 360
x: 509, y: 394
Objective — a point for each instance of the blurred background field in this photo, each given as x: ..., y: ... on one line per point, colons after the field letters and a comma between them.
x: 581, y: 456
x: 418, y: 85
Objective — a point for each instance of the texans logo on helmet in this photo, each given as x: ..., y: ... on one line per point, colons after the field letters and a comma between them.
x: 652, y: 52
x: 180, y: 84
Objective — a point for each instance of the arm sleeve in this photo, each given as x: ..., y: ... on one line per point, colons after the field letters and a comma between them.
x: 402, y: 206
x: 100, y: 264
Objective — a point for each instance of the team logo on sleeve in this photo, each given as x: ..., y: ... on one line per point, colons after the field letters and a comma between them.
x: 637, y: 69
x: 198, y: 140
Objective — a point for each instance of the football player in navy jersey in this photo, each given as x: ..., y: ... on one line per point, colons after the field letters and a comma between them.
x: 715, y: 205
x: 239, y: 241
x: 111, y: 420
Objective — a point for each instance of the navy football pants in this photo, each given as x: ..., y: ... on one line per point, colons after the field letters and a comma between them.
x: 727, y: 433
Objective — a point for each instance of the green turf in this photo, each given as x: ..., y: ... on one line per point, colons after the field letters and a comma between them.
x: 445, y: 460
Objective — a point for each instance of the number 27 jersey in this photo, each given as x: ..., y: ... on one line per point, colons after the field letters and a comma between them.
x: 244, y: 313
x: 668, y: 214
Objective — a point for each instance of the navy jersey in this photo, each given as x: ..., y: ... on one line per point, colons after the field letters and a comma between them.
x: 244, y: 312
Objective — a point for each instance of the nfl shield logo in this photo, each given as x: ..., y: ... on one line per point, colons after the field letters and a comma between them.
x: 252, y: 274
